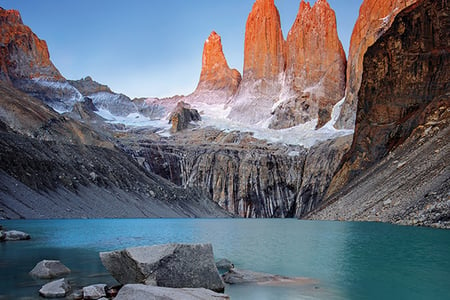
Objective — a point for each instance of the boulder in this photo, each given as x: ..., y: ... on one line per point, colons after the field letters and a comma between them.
x: 95, y: 291
x: 171, y: 265
x: 85, y: 111
x: 55, y: 289
x: 224, y: 265
x: 14, y: 235
x: 48, y: 269
x: 76, y: 295
x: 139, y: 291
x: 236, y: 276
x: 182, y: 116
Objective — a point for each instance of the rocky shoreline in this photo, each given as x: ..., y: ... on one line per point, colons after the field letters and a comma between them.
x: 170, y: 271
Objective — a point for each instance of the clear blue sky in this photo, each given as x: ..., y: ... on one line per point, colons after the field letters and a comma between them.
x: 146, y: 47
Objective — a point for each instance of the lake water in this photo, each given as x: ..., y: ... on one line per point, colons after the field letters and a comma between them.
x: 347, y: 260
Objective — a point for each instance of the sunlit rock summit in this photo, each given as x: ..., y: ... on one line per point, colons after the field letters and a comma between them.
x: 216, y: 75
x: 287, y: 83
x: 25, y: 64
x: 22, y: 54
x: 264, y: 64
x: 315, y: 67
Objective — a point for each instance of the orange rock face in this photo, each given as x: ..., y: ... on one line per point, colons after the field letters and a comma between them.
x: 264, y: 42
x: 22, y: 53
x: 264, y: 65
x: 295, y: 81
x: 375, y: 17
x: 315, y: 60
x: 216, y: 74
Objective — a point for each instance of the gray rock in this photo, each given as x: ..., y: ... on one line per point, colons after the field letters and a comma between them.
x: 248, y: 177
x: 48, y: 269
x: 95, y: 291
x: 224, y: 265
x: 14, y: 235
x: 235, y: 276
x: 139, y: 291
x: 77, y: 295
x: 55, y: 289
x: 172, y: 265
x: 182, y: 116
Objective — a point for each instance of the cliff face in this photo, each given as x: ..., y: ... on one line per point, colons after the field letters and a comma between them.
x: 264, y: 43
x: 404, y: 90
x: 315, y: 66
x: 25, y: 64
x: 246, y: 176
x: 22, y: 53
x: 264, y: 64
x: 375, y: 17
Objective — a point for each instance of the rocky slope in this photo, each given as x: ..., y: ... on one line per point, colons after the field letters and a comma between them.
x: 375, y: 17
x: 54, y: 167
x: 315, y: 67
x: 246, y: 176
x: 410, y: 186
x: 399, y: 157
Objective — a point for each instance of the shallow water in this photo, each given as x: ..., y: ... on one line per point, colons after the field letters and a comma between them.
x: 347, y: 260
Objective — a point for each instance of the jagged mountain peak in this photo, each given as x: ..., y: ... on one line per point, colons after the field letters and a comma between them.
x: 315, y: 68
x: 216, y: 75
x: 10, y: 16
x: 264, y: 42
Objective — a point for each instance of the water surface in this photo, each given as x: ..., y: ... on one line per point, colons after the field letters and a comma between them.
x: 347, y: 260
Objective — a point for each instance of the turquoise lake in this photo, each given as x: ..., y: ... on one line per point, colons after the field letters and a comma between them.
x: 347, y: 260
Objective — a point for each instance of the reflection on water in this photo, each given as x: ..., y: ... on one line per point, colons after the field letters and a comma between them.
x: 347, y: 260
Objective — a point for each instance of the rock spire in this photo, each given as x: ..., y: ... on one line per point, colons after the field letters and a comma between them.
x: 315, y: 66
x: 216, y: 74
x: 264, y: 64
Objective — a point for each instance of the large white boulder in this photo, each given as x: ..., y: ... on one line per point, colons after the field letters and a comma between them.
x: 48, y: 269
x: 55, y: 289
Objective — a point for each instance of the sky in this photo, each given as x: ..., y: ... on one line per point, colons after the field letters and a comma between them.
x: 150, y: 48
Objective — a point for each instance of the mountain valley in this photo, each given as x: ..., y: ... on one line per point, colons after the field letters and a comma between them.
x: 304, y: 132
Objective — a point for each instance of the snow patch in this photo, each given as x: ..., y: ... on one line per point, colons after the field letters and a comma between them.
x: 135, y: 120
x: 305, y: 134
x: 59, y: 85
x: 65, y: 96
x: 294, y: 154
